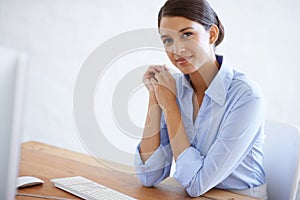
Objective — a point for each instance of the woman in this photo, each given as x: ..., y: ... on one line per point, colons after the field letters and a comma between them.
x: 209, y: 118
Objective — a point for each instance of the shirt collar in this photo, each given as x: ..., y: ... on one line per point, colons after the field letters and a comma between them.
x: 218, y: 88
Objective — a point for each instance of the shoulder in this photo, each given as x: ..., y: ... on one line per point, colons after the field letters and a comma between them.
x: 243, y: 89
x: 237, y: 82
x: 244, y: 85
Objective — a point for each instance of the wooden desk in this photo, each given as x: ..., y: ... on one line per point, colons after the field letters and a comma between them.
x: 47, y: 162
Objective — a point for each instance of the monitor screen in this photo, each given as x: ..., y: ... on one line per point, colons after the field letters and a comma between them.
x: 12, y: 79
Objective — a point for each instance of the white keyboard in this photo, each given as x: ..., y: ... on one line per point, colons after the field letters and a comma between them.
x: 87, y: 189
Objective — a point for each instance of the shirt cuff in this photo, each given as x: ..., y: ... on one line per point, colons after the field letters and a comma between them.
x: 158, y: 160
x: 188, y: 164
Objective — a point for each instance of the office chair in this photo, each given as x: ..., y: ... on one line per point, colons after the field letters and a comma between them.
x: 281, y: 160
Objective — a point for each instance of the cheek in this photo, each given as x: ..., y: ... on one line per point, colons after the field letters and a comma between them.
x: 170, y: 56
x: 204, y: 43
x: 201, y: 48
x: 200, y: 43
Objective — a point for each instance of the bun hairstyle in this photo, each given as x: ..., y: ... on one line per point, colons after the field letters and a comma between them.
x: 195, y: 10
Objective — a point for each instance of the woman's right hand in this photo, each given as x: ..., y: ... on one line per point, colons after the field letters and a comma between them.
x: 150, y: 73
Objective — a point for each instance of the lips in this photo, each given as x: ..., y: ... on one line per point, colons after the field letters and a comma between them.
x: 183, y: 60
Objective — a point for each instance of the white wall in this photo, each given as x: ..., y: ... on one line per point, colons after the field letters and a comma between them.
x: 261, y: 39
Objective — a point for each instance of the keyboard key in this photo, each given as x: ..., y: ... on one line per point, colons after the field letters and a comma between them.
x: 88, y: 189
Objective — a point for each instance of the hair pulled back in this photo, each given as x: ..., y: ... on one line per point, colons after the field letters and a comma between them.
x: 195, y: 10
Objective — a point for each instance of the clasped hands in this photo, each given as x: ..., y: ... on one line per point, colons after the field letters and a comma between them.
x: 160, y: 82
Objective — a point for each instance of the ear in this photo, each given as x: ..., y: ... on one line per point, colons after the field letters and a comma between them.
x: 213, y: 34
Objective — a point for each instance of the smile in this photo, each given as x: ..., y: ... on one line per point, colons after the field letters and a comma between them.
x: 183, y: 60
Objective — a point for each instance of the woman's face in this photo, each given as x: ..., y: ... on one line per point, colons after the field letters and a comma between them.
x: 186, y: 42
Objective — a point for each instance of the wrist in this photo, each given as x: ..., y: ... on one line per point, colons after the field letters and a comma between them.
x: 152, y: 97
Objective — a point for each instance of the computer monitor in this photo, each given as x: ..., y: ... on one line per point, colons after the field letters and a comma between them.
x: 12, y: 79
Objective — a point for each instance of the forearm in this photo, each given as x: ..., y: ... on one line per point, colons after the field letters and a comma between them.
x: 151, y: 138
x: 177, y: 134
x: 238, y: 134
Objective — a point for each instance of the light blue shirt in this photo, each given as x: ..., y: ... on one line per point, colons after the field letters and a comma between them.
x: 226, y: 137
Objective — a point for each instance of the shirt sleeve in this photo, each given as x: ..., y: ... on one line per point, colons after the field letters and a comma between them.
x: 236, y: 137
x: 157, y: 166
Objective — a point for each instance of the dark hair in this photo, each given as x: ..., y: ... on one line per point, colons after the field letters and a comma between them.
x: 195, y: 10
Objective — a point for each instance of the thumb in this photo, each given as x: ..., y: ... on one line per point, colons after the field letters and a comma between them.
x: 153, y: 80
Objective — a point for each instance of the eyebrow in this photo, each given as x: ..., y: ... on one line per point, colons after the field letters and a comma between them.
x: 181, y: 30
x: 186, y: 29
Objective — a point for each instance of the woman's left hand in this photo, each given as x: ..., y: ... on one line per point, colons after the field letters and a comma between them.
x: 165, y: 89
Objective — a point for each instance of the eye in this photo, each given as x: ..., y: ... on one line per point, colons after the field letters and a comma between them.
x: 167, y: 41
x: 187, y: 34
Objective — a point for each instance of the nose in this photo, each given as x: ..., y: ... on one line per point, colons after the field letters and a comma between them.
x: 179, y: 48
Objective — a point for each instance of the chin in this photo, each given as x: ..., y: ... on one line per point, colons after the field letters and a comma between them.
x: 189, y: 69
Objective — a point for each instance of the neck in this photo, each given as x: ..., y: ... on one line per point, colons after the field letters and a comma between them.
x: 201, y: 79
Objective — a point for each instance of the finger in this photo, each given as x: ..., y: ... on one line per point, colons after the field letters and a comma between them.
x: 147, y: 82
x: 155, y: 68
x: 165, y: 70
x: 162, y: 68
x: 165, y: 67
x: 158, y: 68
x: 157, y: 76
x: 162, y: 75
x: 167, y: 73
x: 153, y: 81
x: 152, y: 70
x: 149, y: 73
